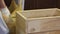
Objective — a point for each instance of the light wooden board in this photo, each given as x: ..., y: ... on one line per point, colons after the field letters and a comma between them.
x: 51, y: 32
x: 20, y: 24
x: 44, y: 24
x: 38, y: 21
x: 41, y: 13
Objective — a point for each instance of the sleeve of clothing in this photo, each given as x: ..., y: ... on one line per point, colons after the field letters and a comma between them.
x: 5, y: 11
x: 3, y: 27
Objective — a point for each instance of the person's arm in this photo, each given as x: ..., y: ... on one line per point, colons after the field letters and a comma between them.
x: 2, y: 4
x: 4, y: 8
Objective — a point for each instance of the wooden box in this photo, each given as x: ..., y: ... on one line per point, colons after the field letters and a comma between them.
x: 41, y: 21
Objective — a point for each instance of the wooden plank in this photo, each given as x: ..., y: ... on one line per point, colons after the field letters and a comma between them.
x: 20, y: 22
x: 43, y: 24
x: 41, y: 13
x: 38, y: 21
x: 51, y: 32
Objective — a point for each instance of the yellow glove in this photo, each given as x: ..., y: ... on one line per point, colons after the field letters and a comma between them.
x: 13, y: 6
x: 20, y: 8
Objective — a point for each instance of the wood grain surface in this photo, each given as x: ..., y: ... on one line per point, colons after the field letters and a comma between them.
x: 46, y: 21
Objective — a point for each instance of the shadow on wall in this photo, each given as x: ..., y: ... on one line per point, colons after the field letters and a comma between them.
x: 8, y: 2
x: 38, y: 4
x: 41, y: 4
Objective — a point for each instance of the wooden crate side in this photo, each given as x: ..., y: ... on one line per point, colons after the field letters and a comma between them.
x: 20, y: 22
x: 44, y: 24
x: 49, y: 9
x: 41, y: 13
x: 35, y: 24
x: 51, y: 32
x: 58, y: 12
x: 54, y: 32
x: 20, y: 31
